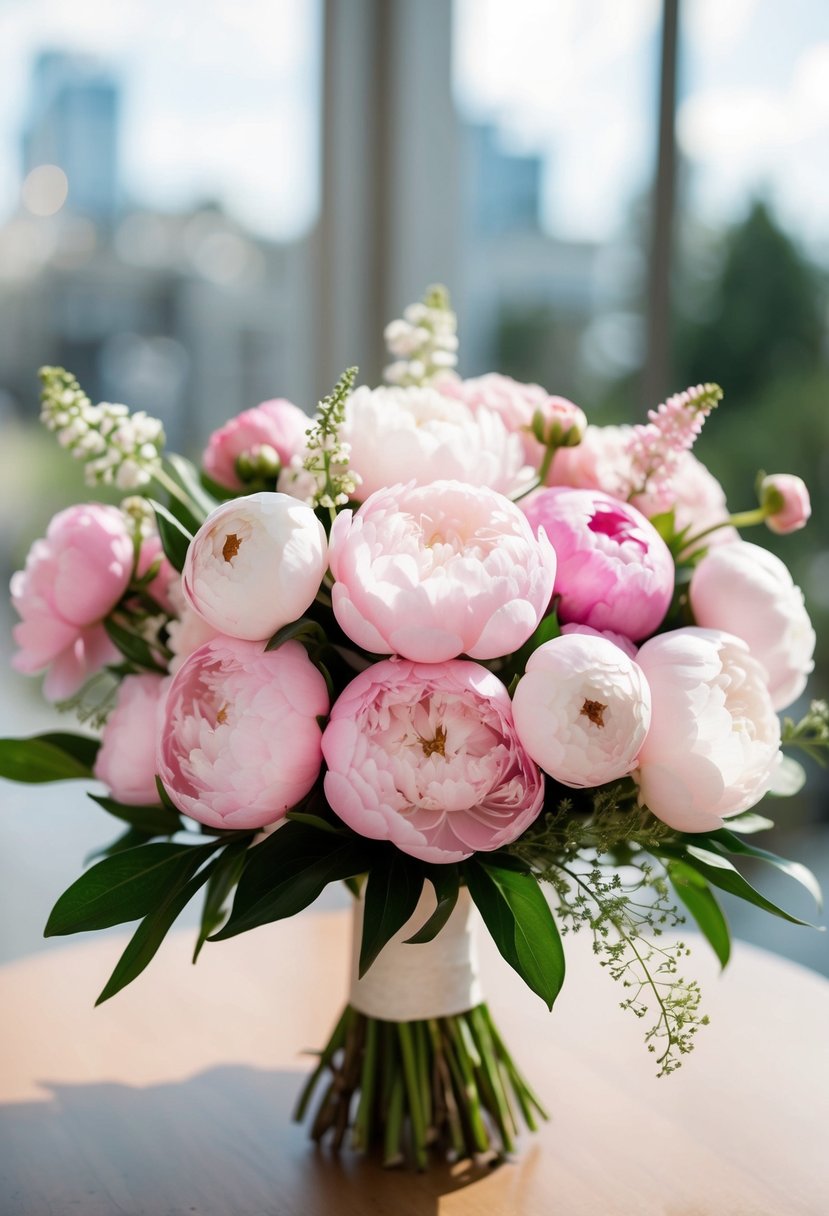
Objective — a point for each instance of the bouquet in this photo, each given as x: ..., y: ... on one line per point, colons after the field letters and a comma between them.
x: 445, y: 643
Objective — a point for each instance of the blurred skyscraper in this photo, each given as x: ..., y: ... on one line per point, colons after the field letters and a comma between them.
x: 72, y: 122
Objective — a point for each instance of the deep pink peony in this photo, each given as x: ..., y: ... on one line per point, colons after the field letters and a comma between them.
x: 427, y: 756
x: 126, y: 760
x: 614, y: 569
x: 240, y: 742
x: 436, y: 571
x: 749, y: 592
x: 582, y: 710
x: 278, y: 425
x: 787, y: 501
x: 73, y: 578
x: 714, y: 742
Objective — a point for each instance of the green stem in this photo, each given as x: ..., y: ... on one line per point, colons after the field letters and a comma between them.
x: 741, y: 519
x: 410, y: 1072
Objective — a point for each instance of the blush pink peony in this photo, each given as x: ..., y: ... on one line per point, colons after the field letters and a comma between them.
x: 523, y: 408
x: 614, y: 569
x: 73, y: 578
x: 714, y: 742
x: 749, y: 592
x: 437, y: 571
x: 126, y: 759
x: 239, y: 743
x: 276, y: 426
x: 427, y: 757
x: 421, y: 435
x: 255, y: 564
x: 582, y: 710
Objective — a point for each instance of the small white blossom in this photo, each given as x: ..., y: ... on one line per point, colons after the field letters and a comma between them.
x: 117, y: 447
x: 424, y: 342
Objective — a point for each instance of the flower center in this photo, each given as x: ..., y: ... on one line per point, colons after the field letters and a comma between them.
x: 594, y: 710
x: 221, y: 716
x: 618, y: 526
x: 231, y: 546
x: 436, y: 746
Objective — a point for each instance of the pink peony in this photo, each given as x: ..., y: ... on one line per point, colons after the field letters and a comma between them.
x: 427, y: 756
x: 437, y: 571
x: 749, y: 592
x: 255, y: 564
x: 126, y: 760
x: 714, y: 742
x: 582, y: 710
x: 277, y: 426
x: 73, y: 578
x: 240, y: 743
x: 787, y: 501
x: 513, y: 402
x: 614, y: 569
x: 186, y: 634
x: 421, y: 435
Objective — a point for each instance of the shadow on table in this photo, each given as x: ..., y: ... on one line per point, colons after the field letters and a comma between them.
x: 222, y: 1142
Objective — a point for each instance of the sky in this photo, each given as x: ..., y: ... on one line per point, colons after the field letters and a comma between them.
x: 221, y: 100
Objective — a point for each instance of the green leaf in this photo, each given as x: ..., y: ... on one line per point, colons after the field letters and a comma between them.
x: 303, y: 630
x: 124, y: 887
x: 391, y: 896
x: 133, y: 647
x: 153, y: 820
x: 519, y: 919
x: 224, y: 877
x: 149, y: 935
x: 50, y: 757
x: 446, y: 881
x: 547, y: 629
x: 187, y: 476
x: 724, y: 839
x: 166, y: 800
x: 719, y: 871
x: 701, y: 902
x: 175, y: 538
x: 130, y: 839
x: 749, y: 822
x: 288, y: 871
x: 665, y: 524
x: 316, y: 821
x: 789, y: 778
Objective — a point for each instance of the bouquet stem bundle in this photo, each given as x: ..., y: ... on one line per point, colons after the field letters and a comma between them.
x: 446, y: 1085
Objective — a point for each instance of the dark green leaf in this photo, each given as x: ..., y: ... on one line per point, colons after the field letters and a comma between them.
x: 665, y: 524
x: 49, y: 757
x: 701, y: 902
x: 166, y: 800
x: 519, y: 919
x: 288, y: 871
x: 124, y: 887
x: 547, y: 629
x: 154, y: 820
x: 223, y: 879
x: 130, y: 839
x: 391, y: 896
x: 446, y: 881
x: 727, y: 841
x: 149, y: 935
x: 175, y: 538
x: 719, y: 872
x: 189, y: 479
x: 303, y: 630
x: 316, y: 821
x: 133, y: 647
x: 219, y: 492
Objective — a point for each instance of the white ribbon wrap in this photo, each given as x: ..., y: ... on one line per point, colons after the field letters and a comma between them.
x: 432, y: 980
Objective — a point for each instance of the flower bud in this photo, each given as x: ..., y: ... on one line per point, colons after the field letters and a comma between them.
x: 785, y: 499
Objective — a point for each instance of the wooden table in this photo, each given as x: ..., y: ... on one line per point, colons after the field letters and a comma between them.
x: 175, y: 1098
